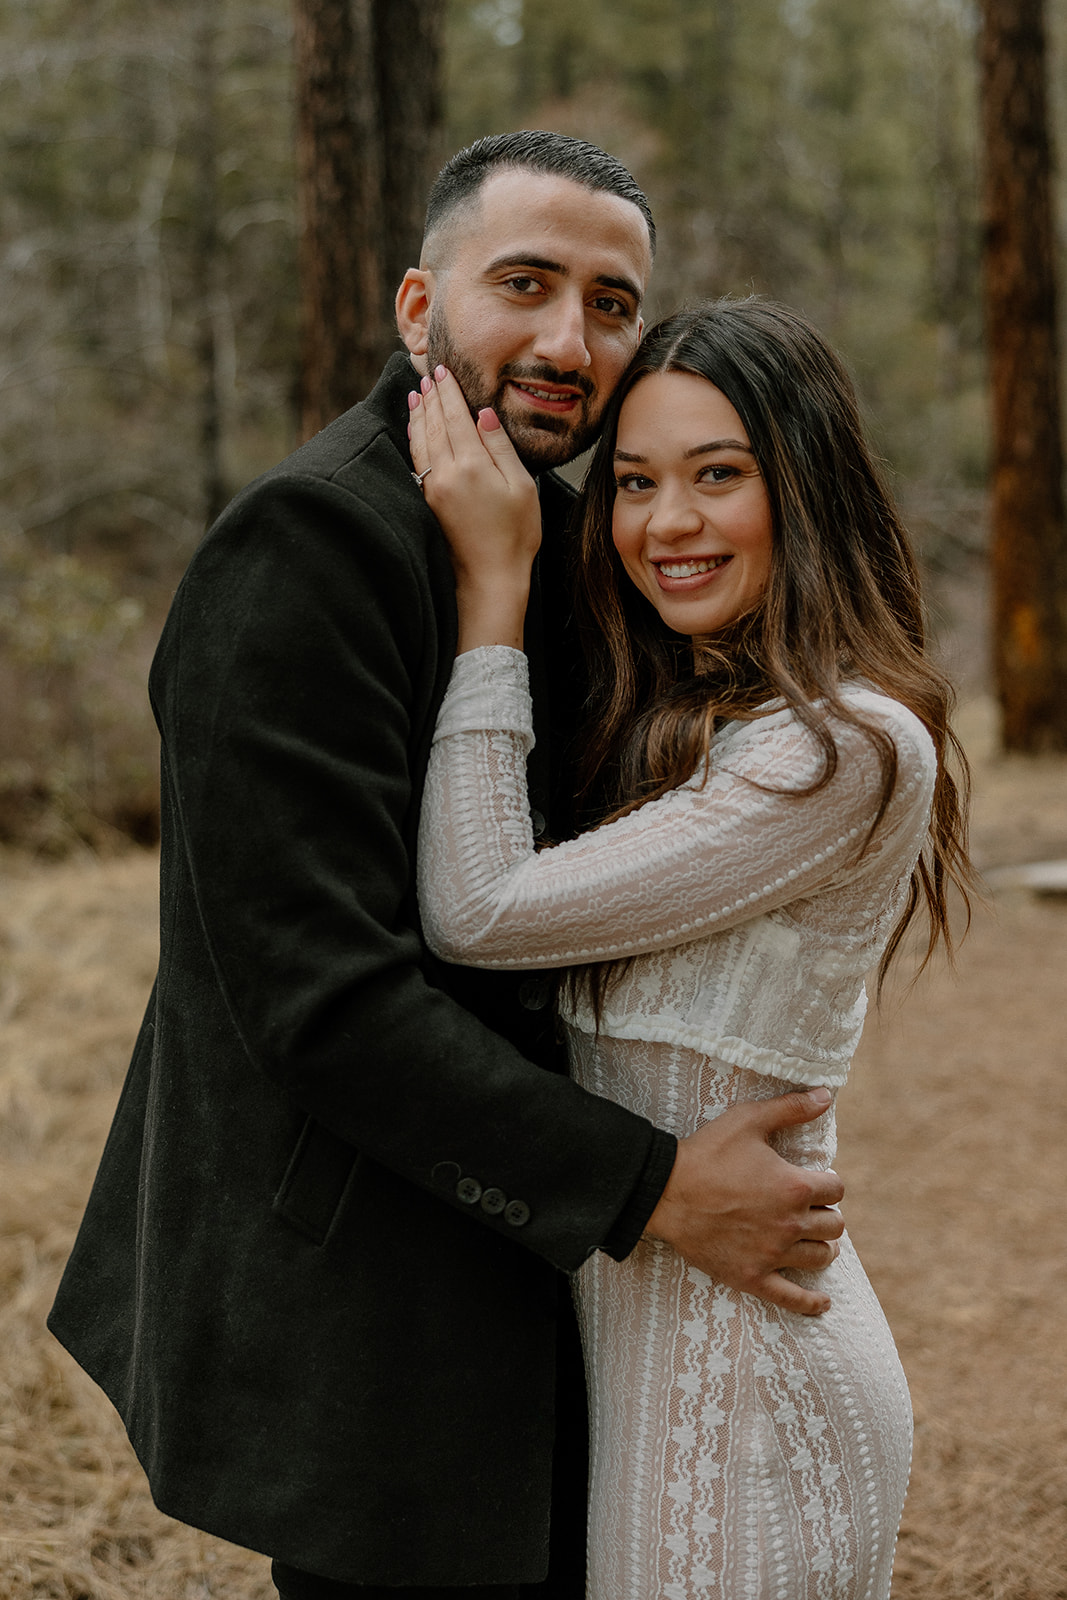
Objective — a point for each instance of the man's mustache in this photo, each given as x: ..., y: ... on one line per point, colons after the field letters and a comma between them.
x: 542, y: 373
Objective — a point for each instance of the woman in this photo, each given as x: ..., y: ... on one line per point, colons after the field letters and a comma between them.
x: 765, y: 765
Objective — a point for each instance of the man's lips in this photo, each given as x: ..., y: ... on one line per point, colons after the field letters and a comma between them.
x: 545, y: 396
x: 688, y: 572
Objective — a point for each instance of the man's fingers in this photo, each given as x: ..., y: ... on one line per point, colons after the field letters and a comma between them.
x: 792, y: 1296
x: 824, y: 1221
x: 811, y: 1255
x: 827, y: 1190
x: 789, y: 1110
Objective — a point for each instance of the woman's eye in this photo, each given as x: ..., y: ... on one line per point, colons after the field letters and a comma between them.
x: 632, y: 482
x: 718, y: 474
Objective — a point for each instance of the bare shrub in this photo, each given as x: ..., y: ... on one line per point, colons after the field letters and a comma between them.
x: 78, y: 754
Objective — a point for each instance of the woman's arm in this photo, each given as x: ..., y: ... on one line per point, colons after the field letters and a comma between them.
x: 696, y: 861
x: 487, y: 505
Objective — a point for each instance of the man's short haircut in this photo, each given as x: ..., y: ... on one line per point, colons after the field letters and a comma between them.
x: 532, y: 150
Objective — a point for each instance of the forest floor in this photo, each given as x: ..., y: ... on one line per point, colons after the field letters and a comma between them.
x: 953, y: 1134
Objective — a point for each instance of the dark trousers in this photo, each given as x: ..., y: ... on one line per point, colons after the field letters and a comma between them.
x: 570, y: 1474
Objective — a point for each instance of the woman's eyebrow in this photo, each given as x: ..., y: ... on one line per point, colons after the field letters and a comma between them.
x: 697, y: 450
x: 718, y: 444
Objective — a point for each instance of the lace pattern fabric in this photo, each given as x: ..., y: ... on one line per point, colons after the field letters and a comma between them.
x: 739, y: 1451
x: 755, y: 911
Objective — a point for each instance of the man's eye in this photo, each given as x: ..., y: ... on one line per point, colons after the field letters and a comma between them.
x: 609, y: 305
x: 523, y: 284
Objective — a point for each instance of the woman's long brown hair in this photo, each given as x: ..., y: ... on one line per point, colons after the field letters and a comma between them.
x: 842, y: 602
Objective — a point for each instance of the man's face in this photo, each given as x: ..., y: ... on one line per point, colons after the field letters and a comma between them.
x: 537, y: 308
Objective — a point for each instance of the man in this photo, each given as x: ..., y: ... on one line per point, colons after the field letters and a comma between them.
x: 320, y: 1274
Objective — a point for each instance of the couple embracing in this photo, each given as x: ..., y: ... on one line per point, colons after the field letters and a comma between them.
x: 400, y: 1124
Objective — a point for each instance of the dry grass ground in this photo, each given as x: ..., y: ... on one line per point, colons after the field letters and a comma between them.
x: 953, y: 1139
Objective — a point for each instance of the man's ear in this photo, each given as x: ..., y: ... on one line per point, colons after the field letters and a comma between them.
x: 413, y: 301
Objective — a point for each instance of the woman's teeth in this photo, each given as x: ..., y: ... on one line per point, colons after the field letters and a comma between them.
x: 689, y: 569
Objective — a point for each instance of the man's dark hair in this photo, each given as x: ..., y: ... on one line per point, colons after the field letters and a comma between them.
x: 532, y: 150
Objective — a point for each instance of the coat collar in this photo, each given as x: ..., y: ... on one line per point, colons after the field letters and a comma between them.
x: 388, y: 400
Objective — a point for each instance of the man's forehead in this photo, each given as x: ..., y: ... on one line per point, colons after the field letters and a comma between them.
x: 521, y: 217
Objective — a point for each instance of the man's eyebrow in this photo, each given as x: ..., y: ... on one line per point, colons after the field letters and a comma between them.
x: 697, y: 450
x: 541, y: 264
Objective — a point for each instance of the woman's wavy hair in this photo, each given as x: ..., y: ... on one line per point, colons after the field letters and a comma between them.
x: 842, y: 601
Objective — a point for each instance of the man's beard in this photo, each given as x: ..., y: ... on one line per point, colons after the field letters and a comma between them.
x: 541, y: 440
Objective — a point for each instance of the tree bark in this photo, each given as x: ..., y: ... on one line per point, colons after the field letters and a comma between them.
x: 368, y: 129
x: 1029, y: 523
x: 409, y: 39
x: 206, y: 265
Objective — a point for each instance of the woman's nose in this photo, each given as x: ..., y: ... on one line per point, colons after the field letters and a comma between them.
x: 674, y: 514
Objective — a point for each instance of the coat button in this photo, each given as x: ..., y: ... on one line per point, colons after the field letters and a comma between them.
x: 517, y: 1212
x: 469, y: 1190
x: 535, y: 993
x: 447, y: 1173
x: 494, y: 1201
x: 537, y: 823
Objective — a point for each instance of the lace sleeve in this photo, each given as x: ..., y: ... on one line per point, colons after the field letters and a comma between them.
x: 704, y: 857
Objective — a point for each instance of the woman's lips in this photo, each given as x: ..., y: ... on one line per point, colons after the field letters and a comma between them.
x: 689, y: 573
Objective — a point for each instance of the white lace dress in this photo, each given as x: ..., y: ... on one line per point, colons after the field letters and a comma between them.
x: 738, y: 1451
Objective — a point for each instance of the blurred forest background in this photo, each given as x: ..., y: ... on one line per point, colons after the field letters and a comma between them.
x: 822, y: 151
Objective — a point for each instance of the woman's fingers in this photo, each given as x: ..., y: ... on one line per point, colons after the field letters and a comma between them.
x: 428, y: 430
x: 467, y: 438
x: 495, y: 440
x: 420, y: 451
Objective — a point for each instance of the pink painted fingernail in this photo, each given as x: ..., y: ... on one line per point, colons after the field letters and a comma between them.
x: 413, y: 399
x: 440, y: 372
x: 488, y: 420
x: 426, y: 385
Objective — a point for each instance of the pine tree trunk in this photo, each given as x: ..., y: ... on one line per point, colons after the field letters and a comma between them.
x: 408, y: 37
x: 1029, y: 524
x: 205, y: 265
x: 368, y: 125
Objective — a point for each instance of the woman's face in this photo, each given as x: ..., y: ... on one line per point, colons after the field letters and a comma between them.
x: 692, y: 522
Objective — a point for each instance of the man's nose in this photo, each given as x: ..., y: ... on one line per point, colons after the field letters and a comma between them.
x: 561, y: 335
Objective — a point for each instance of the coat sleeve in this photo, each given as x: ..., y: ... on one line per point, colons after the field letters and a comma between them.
x: 287, y: 690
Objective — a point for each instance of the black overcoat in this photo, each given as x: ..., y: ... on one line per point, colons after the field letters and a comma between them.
x: 319, y: 1268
